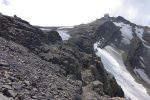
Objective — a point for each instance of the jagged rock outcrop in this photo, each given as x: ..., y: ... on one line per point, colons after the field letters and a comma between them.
x: 38, y: 65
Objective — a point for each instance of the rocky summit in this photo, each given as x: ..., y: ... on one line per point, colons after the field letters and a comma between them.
x: 39, y: 65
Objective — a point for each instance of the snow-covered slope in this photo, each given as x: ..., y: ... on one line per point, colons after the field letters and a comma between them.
x: 64, y: 35
x: 113, y: 63
x: 132, y: 35
x: 126, y: 30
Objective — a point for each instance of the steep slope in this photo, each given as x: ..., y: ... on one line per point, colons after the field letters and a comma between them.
x: 126, y: 41
x: 137, y: 57
x: 113, y: 63
x: 36, y: 64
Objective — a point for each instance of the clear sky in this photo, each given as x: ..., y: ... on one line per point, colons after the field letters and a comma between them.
x: 74, y: 12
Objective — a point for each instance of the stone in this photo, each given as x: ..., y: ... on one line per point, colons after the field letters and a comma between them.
x: 7, y: 87
x: 17, y: 86
x: 12, y: 79
x: 27, y: 83
x: 34, y: 97
x: 2, y: 97
x: 35, y: 89
x: 8, y: 93
x: 6, y: 74
x: 87, y: 76
x: 3, y: 63
x: 21, y: 97
x: 97, y: 84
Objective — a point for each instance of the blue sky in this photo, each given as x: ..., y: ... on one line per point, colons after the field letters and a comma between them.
x: 74, y: 12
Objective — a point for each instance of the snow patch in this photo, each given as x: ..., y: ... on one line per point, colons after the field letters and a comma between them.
x: 148, y: 47
x: 139, y: 32
x: 64, y: 35
x: 142, y: 61
x: 115, y: 65
x: 142, y: 74
x: 142, y: 64
x: 141, y: 58
x: 126, y: 31
x: 45, y: 29
x: 63, y: 27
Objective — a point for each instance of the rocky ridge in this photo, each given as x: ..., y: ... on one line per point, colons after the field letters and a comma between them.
x: 38, y: 65
x: 129, y: 39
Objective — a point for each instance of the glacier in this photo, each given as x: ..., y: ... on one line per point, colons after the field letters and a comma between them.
x: 113, y: 63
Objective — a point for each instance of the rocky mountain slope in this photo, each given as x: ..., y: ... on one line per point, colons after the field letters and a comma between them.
x: 118, y: 36
x: 39, y: 65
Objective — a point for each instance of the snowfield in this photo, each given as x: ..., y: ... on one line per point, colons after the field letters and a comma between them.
x: 139, y: 32
x: 126, y: 31
x: 113, y: 63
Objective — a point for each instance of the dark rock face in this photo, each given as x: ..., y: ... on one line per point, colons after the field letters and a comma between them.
x: 84, y: 43
x: 53, y: 36
x: 39, y: 65
x: 21, y: 32
x: 105, y: 33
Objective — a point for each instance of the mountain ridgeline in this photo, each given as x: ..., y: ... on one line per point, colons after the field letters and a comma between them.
x: 120, y: 37
x: 39, y: 63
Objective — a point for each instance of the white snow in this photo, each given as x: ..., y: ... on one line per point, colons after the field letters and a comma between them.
x: 139, y: 32
x: 142, y: 74
x: 142, y: 64
x: 148, y: 47
x: 63, y: 27
x: 141, y: 58
x: 112, y: 50
x: 64, y: 35
x: 142, y: 61
x: 126, y: 31
x: 45, y: 29
x: 114, y: 65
